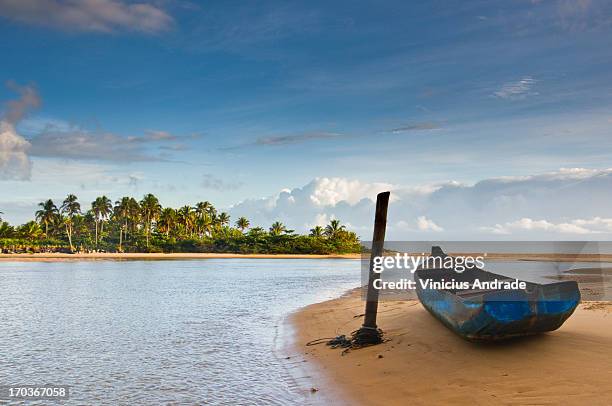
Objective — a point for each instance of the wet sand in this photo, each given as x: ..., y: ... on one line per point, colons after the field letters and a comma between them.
x: 424, y: 363
x: 58, y: 257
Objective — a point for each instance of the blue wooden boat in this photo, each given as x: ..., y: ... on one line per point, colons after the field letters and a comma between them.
x: 490, y: 315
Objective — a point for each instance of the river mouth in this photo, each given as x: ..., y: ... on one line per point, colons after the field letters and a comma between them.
x: 159, y: 331
x: 192, y: 331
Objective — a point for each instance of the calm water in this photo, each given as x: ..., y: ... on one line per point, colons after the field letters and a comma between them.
x: 540, y: 272
x: 151, y: 332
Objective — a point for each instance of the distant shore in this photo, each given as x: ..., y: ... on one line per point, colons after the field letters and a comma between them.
x: 59, y: 257
x: 425, y: 363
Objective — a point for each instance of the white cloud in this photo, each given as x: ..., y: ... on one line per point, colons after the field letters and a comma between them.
x: 420, y: 224
x: 321, y: 199
x: 331, y: 191
x: 321, y: 219
x: 14, y: 160
x: 595, y: 225
x: 425, y: 224
x: 517, y: 90
x: 88, y: 15
x: 527, y: 224
x: 550, y: 205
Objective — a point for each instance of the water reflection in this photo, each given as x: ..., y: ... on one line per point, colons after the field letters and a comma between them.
x: 157, y: 331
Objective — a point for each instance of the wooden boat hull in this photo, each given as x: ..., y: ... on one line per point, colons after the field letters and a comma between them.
x: 498, y: 314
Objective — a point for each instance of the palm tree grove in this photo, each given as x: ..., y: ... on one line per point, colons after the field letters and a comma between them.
x: 129, y: 225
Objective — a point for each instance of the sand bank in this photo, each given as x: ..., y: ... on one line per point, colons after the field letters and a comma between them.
x: 51, y: 257
x: 424, y: 363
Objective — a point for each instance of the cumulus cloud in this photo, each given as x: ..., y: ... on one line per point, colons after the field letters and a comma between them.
x: 425, y: 224
x: 596, y: 225
x: 536, y: 225
x: 421, y: 224
x: 14, y: 160
x: 88, y: 15
x: 332, y: 191
x: 548, y: 205
x: 517, y: 90
x: 320, y: 200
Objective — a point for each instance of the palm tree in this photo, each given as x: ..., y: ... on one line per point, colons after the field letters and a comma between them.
x: 83, y: 223
x: 257, y: 231
x: 223, y: 219
x: 70, y: 208
x: 186, y: 216
x: 212, y: 212
x: 206, y: 224
x: 333, y: 228
x: 167, y: 220
x: 243, y: 223
x: 202, y: 209
x: 134, y: 210
x: 30, y: 230
x: 124, y: 212
x: 47, y: 214
x: 277, y: 228
x: 6, y: 230
x: 316, y: 231
x: 57, y: 225
x: 101, y: 208
x: 151, y: 209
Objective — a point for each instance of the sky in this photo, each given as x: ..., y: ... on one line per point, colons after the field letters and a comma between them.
x: 485, y: 119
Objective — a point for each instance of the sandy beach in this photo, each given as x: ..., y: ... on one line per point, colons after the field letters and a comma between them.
x: 58, y: 257
x: 424, y: 363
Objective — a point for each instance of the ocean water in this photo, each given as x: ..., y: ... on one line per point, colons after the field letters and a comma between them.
x: 160, y: 332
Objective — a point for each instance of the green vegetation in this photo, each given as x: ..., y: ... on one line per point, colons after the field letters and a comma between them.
x: 145, y: 226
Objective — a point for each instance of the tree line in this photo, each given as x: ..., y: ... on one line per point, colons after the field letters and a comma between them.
x: 129, y: 225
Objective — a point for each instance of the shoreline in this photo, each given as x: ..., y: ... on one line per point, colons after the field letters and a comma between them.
x: 426, y: 363
x: 57, y: 256
x: 60, y: 257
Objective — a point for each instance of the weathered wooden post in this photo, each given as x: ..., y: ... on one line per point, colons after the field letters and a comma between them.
x: 369, y: 333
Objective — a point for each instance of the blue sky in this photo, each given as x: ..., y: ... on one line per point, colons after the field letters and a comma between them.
x: 230, y: 101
